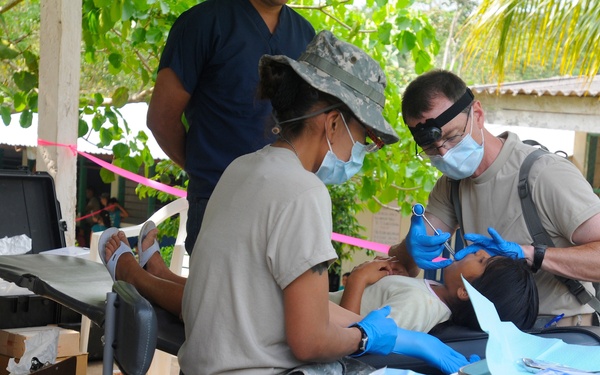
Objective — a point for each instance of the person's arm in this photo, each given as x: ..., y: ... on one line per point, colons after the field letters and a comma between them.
x: 169, y: 100
x: 312, y: 334
x: 362, y: 276
x: 124, y: 213
x: 580, y: 262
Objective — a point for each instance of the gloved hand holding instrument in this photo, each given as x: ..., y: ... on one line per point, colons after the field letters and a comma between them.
x: 424, y: 248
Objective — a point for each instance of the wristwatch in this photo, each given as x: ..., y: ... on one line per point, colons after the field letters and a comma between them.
x: 538, y: 256
x: 362, y: 345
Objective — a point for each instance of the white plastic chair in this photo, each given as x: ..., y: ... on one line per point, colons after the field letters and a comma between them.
x: 179, y: 206
x: 161, y: 363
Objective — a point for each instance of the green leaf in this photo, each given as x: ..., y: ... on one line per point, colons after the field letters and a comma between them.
x: 7, y: 53
x: 406, y: 41
x: 147, y: 157
x: 384, y: 33
x: 102, y: 3
x: 130, y: 164
x: 105, y: 22
x: 138, y: 35
x: 154, y: 35
x: 25, y: 81
x: 82, y: 128
x: 120, y: 150
x: 116, y: 9
x: 120, y: 97
x: 32, y: 61
x: 5, y: 113
x: 98, y: 99
x: 112, y: 118
x: 105, y: 137
x: 26, y: 118
x: 128, y: 10
x: 115, y: 59
x: 19, y: 101
x: 97, y: 121
x: 32, y: 101
x: 107, y: 176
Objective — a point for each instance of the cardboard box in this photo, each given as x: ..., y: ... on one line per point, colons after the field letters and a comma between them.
x: 12, y: 341
x: 82, y: 360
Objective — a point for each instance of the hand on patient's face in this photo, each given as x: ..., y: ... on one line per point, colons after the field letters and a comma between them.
x: 494, y: 246
x: 423, y: 248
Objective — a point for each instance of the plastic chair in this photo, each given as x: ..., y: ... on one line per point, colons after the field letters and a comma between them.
x: 179, y: 206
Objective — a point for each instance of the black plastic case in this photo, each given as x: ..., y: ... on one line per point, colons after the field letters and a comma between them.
x: 28, y: 205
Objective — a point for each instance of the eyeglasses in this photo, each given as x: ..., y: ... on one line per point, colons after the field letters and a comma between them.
x: 447, y: 143
x: 377, y: 142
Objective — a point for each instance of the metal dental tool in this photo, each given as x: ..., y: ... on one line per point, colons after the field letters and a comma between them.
x: 419, y: 210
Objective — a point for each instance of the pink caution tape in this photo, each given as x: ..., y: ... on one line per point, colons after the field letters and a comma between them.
x: 375, y: 246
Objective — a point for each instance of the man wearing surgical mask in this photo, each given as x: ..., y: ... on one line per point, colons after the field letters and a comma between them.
x: 447, y: 124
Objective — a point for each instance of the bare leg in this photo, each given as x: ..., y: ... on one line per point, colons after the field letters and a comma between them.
x: 162, y: 292
x: 156, y: 264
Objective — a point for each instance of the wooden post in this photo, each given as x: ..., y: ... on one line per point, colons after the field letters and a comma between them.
x: 58, y: 105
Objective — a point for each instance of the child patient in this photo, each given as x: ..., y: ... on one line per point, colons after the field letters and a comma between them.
x: 416, y: 304
x: 419, y: 304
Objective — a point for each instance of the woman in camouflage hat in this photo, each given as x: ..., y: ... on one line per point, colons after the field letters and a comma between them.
x: 256, y: 300
x: 258, y: 284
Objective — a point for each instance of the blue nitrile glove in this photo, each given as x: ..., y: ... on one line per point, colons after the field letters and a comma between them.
x: 431, y: 350
x: 494, y: 246
x: 380, y: 330
x: 424, y: 248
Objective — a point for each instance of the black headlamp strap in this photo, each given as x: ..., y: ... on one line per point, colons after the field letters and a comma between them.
x: 431, y: 130
x: 455, y: 109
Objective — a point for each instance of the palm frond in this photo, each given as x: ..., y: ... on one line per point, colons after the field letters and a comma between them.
x: 513, y: 34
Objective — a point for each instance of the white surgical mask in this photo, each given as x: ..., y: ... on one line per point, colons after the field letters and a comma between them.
x: 335, y: 171
x: 462, y: 160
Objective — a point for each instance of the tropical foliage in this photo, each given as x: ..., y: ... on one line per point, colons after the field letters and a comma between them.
x: 121, y: 47
x: 513, y: 35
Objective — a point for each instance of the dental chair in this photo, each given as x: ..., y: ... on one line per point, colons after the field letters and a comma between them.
x: 133, y: 328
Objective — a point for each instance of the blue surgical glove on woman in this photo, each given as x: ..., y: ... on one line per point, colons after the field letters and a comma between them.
x: 431, y: 350
x: 424, y: 248
x: 380, y: 330
x: 494, y: 246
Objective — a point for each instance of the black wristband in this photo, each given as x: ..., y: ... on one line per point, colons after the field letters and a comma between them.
x: 362, y: 345
x: 538, y: 256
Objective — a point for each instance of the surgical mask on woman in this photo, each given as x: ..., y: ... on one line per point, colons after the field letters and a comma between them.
x: 334, y: 171
x: 462, y: 160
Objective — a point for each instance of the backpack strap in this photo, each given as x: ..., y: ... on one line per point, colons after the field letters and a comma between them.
x: 539, y: 234
x: 454, y: 185
x: 532, y: 219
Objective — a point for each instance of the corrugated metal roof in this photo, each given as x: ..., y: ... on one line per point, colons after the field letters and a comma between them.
x: 558, y: 86
x: 134, y: 114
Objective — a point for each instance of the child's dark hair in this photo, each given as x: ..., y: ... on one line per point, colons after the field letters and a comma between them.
x: 291, y: 96
x: 105, y: 217
x: 509, y: 284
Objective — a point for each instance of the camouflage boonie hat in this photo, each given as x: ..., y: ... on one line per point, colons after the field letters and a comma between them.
x: 346, y: 72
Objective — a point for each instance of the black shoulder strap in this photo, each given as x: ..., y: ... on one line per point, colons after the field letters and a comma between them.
x: 532, y: 219
x: 454, y: 185
x: 539, y: 234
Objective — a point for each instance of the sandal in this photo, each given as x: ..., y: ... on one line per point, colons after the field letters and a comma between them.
x: 145, y: 255
x: 111, y: 265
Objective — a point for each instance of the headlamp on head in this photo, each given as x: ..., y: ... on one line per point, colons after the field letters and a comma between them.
x: 431, y: 130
